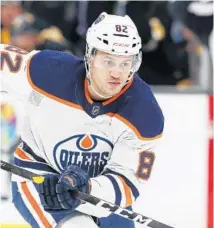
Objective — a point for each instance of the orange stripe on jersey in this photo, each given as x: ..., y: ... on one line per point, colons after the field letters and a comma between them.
x: 128, y: 192
x: 109, y: 100
x: 35, y: 205
x: 130, y: 125
x: 22, y: 154
x: 46, y: 93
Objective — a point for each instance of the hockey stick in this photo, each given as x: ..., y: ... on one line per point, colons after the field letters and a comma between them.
x: 148, y: 222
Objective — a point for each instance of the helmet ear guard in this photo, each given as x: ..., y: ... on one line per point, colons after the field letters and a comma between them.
x: 137, y: 62
x: 88, y: 53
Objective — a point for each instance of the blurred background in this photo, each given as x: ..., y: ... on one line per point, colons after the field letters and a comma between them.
x: 177, y: 38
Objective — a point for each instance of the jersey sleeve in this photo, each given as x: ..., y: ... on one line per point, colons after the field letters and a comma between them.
x: 14, y: 82
x: 138, y: 131
x: 14, y: 71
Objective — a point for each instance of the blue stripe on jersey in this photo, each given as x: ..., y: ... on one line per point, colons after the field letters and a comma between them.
x: 118, y: 194
x: 134, y: 190
x: 33, y: 165
x: 20, y: 206
x: 29, y: 151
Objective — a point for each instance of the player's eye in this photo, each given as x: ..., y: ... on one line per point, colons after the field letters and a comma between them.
x: 126, y: 64
x: 109, y: 63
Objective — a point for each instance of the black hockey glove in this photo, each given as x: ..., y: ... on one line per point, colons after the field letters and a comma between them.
x: 57, y: 191
x: 71, y: 180
x: 48, y: 195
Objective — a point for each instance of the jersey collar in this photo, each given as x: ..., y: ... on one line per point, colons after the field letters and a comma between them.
x: 110, y: 100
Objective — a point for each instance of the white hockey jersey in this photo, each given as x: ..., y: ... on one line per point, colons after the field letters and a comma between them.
x: 114, y: 141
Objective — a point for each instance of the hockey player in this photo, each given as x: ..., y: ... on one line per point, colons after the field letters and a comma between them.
x: 93, y: 125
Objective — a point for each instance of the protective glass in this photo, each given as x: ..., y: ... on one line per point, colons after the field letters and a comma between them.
x: 122, y: 64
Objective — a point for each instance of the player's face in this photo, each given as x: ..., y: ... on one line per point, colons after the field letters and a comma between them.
x: 109, y: 73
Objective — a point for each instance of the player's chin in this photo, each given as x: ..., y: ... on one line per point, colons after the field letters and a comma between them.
x: 111, y: 87
x: 112, y: 92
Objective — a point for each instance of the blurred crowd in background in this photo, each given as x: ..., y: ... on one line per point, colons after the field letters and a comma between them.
x: 171, y: 31
x: 177, y: 39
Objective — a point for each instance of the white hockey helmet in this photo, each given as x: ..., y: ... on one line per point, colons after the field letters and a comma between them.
x: 115, y: 35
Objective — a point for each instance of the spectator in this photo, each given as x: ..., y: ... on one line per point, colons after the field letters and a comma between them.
x: 194, y: 15
x: 165, y: 62
x: 29, y: 32
x: 65, y: 19
x: 9, y: 10
x: 196, y: 18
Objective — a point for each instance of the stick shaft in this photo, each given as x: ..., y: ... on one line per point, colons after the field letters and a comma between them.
x: 148, y: 222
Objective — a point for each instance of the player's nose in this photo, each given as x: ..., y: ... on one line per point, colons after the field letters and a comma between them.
x: 115, y: 73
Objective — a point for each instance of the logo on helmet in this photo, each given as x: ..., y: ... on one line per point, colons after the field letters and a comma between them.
x: 99, y: 19
x: 121, y: 45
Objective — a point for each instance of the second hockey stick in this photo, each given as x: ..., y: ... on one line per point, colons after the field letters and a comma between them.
x: 148, y: 222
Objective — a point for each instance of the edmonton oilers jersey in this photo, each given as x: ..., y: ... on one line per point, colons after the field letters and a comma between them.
x: 113, y: 140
